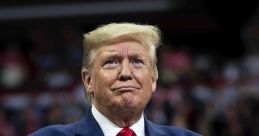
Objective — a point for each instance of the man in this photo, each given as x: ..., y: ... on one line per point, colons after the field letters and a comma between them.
x: 119, y: 75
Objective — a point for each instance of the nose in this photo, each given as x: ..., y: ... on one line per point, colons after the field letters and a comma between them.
x: 125, y: 73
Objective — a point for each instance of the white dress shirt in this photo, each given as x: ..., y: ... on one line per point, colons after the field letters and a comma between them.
x: 111, y: 129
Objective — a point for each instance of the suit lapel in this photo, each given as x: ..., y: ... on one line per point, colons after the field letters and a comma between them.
x: 88, y: 126
x: 152, y: 130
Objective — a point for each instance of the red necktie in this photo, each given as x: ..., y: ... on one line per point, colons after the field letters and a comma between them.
x: 126, y: 132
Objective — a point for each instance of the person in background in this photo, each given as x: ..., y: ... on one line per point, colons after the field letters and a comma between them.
x: 120, y: 75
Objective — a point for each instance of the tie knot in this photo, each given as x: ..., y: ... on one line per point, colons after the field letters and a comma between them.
x: 126, y: 132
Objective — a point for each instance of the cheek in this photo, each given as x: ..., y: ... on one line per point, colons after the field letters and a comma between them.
x: 109, y: 76
x: 143, y: 75
x: 104, y: 79
x: 144, y: 78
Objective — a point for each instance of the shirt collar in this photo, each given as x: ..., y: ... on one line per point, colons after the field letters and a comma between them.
x: 111, y: 129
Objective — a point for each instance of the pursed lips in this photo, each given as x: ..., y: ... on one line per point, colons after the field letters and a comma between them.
x: 125, y: 88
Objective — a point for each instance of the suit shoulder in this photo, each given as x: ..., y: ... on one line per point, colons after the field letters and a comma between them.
x: 55, y: 130
x: 175, y: 131
x: 181, y: 131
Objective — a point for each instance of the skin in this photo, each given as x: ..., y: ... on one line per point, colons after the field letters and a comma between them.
x: 120, y: 81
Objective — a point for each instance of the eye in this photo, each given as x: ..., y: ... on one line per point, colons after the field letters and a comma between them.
x: 137, y: 62
x: 111, y: 63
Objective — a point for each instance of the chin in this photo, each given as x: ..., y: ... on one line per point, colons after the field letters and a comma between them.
x: 132, y: 106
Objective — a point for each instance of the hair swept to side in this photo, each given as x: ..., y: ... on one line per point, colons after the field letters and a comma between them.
x: 146, y: 34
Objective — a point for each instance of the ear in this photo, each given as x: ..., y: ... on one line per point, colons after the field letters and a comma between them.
x: 87, y: 80
x: 154, y: 83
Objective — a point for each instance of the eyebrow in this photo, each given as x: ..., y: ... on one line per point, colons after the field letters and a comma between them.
x: 114, y: 54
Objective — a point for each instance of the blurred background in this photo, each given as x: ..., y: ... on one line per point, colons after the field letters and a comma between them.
x: 208, y: 64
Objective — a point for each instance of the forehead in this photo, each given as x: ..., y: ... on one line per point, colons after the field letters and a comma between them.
x: 123, y: 48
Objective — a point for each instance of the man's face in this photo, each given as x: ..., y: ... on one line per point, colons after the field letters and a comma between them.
x: 121, y: 77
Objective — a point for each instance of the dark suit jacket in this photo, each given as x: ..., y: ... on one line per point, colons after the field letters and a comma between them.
x: 88, y: 126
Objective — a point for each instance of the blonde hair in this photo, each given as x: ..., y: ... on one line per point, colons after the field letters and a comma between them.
x: 148, y: 35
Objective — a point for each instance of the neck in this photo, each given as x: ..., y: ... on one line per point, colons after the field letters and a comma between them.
x: 121, y: 117
x: 124, y: 120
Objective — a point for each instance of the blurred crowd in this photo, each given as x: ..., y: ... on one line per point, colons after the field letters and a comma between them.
x: 40, y: 84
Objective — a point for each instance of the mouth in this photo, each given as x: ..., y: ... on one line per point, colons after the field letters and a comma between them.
x: 125, y: 89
